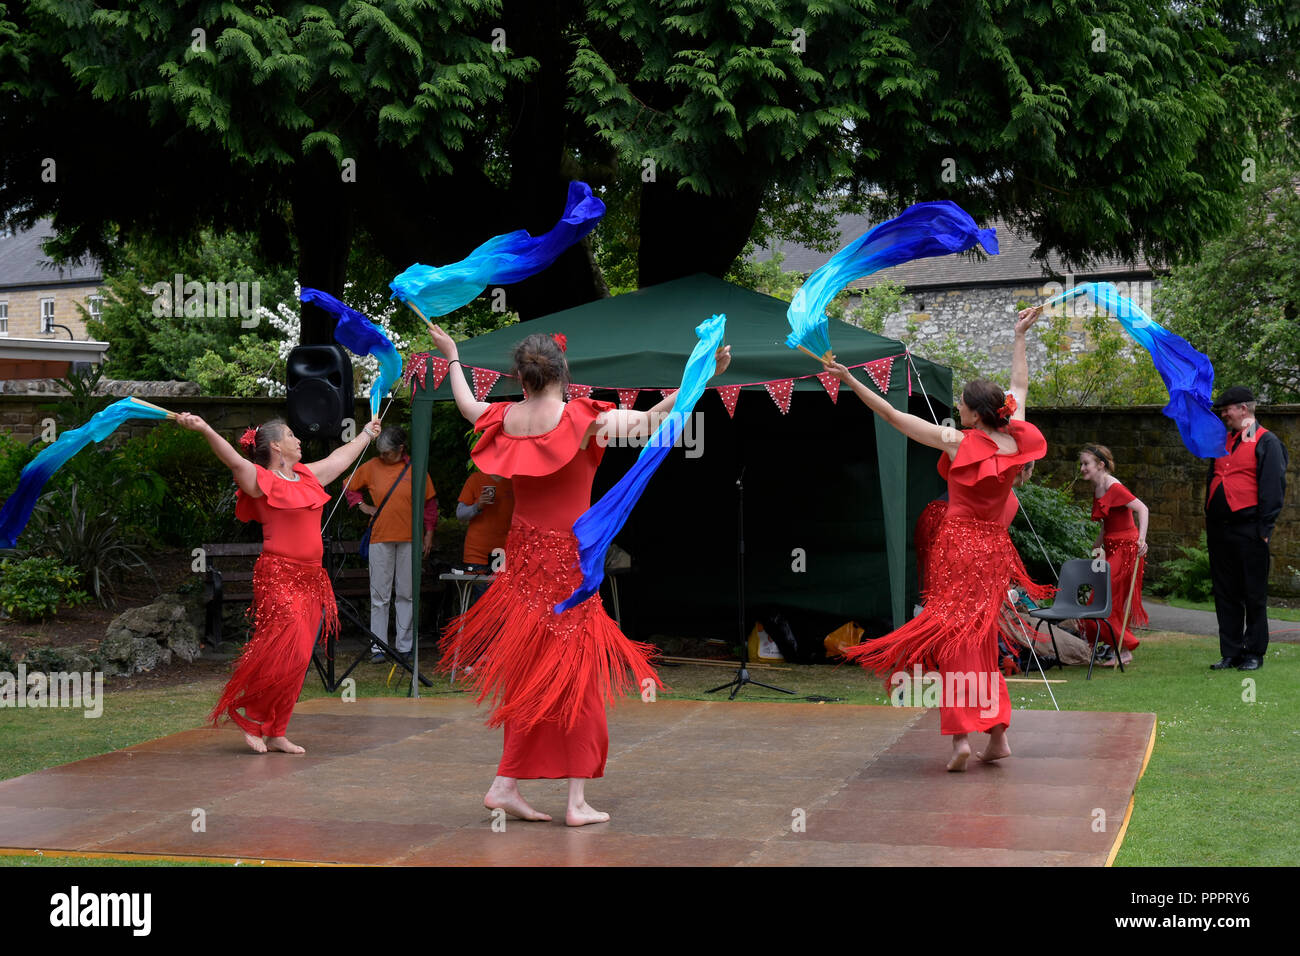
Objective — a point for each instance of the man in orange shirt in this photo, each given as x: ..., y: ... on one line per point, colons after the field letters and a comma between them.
x: 390, y: 536
x: 487, y: 502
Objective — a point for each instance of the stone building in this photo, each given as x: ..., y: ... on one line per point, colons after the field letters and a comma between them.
x: 42, y: 330
x: 972, y: 299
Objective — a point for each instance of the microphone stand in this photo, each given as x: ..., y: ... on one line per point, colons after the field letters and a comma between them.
x: 742, y: 675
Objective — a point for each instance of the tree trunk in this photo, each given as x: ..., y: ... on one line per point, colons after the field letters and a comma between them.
x: 684, y: 232
x: 322, y: 221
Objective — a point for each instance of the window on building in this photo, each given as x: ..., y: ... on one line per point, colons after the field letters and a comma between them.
x: 4, y: 318
x: 47, y: 315
x: 96, y: 304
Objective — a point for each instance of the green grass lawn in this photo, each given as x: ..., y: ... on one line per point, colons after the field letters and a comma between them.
x: 1222, y: 786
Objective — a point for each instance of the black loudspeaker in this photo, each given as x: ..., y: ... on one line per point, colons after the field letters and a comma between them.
x: 319, y: 380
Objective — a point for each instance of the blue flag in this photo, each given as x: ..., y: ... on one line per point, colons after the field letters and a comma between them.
x: 501, y: 260
x: 919, y: 232
x: 17, y: 510
x: 1187, y: 373
x: 598, y: 525
x: 360, y: 336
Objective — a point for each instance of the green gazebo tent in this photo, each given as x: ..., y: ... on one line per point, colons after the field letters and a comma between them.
x: 830, y: 493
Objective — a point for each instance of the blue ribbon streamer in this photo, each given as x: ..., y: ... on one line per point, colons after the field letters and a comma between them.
x: 1187, y: 373
x: 360, y: 336
x: 920, y: 231
x: 512, y: 257
x: 598, y: 525
x: 17, y: 510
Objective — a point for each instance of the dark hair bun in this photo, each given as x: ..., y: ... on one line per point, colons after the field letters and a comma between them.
x: 539, y: 362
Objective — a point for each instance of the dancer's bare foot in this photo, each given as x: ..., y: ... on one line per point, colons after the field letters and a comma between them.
x: 960, y: 754
x: 583, y: 814
x: 512, y: 802
x: 997, y: 748
x: 284, y: 745
x: 255, y: 742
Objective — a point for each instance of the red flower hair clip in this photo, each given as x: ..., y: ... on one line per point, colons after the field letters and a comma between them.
x: 560, y: 341
x: 248, y: 440
x: 1008, y: 407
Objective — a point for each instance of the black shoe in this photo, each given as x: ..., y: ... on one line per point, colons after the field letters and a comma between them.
x: 1250, y: 664
x: 1225, y: 663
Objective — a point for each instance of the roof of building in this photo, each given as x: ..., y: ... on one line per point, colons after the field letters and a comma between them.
x: 24, y: 263
x: 1013, y: 265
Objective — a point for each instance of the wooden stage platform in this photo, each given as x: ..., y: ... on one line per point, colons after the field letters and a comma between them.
x: 400, y: 782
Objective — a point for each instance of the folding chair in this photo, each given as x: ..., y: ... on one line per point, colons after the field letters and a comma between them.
x: 1067, y: 606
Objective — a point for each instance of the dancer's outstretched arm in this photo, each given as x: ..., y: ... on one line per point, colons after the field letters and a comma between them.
x: 241, y: 468
x: 469, y: 406
x: 619, y: 423
x: 337, y: 461
x: 944, y: 437
x: 1020, y: 361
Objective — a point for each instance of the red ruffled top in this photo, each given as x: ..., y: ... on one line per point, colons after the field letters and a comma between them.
x: 500, y: 453
x: 289, y: 513
x: 551, y: 472
x: 1110, y: 509
x: 980, y: 477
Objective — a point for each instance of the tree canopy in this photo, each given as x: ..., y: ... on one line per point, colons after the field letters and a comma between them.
x: 420, y: 128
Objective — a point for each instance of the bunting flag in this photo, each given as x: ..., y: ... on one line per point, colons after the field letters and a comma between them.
x: 921, y: 231
x: 729, y: 394
x: 781, y: 392
x: 17, y: 510
x: 415, y: 369
x: 627, y: 397
x: 579, y: 391
x: 484, y: 379
x: 879, y: 370
x: 1187, y: 373
x: 596, y: 528
x: 361, y: 336
x: 831, y: 384
x: 501, y: 260
x: 439, y: 367
x: 665, y: 392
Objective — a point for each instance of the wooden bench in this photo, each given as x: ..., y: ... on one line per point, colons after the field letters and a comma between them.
x: 233, y: 580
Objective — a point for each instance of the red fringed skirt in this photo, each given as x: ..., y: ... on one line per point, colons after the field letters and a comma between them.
x: 289, y: 600
x: 547, y: 676
x: 1126, y: 573
x: 972, y: 566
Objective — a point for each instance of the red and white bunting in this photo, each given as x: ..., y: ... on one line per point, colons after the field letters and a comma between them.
x: 484, y: 379
x: 879, y: 370
x: 729, y: 394
x: 665, y: 392
x: 439, y: 367
x: 414, y: 368
x: 579, y: 391
x: 627, y: 397
x: 781, y: 392
x: 831, y: 384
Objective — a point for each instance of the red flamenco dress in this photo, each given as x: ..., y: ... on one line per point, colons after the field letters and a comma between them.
x: 291, y: 595
x: 1119, y: 539
x: 548, y: 676
x: 971, y: 564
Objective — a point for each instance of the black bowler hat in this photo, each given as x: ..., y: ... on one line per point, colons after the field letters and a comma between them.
x: 1237, y: 395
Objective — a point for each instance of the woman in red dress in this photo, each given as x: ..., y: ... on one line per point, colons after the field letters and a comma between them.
x: 972, y: 558
x: 549, y: 676
x: 291, y: 591
x: 1122, y: 542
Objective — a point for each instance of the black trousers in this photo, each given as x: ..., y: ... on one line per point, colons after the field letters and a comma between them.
x: 1239, y: 562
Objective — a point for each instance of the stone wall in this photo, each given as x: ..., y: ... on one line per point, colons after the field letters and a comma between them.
x: 22, y: 416
x: 1153, y: 463
x: 982, y: 320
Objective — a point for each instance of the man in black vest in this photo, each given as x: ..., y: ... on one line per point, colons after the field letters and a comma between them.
x: 1243, y: 497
